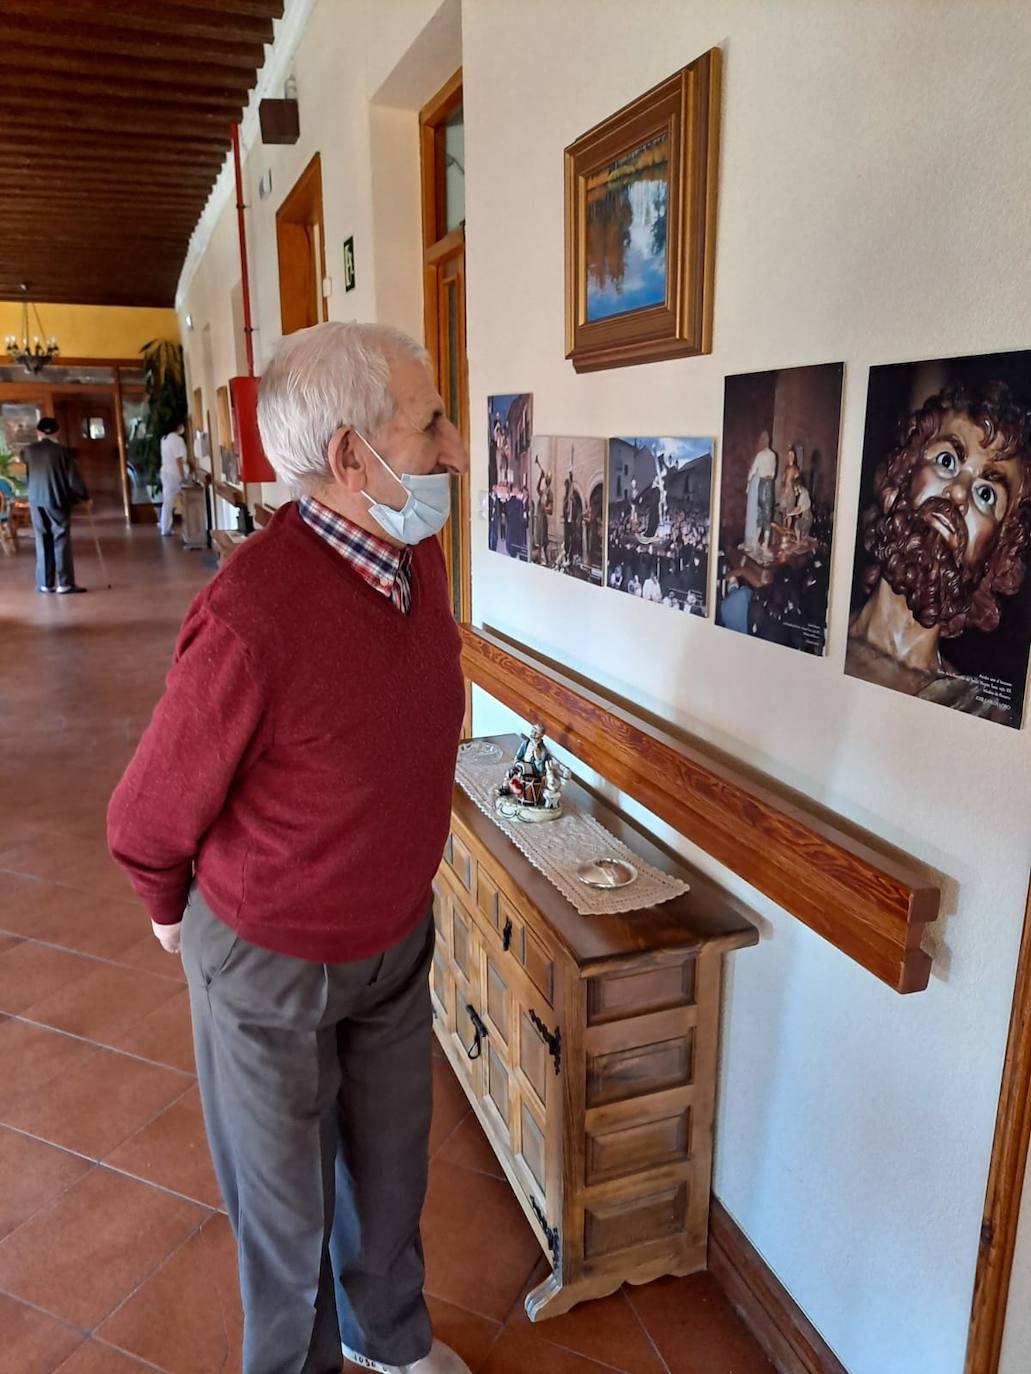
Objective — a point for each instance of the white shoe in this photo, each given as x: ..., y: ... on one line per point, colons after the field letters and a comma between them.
x: 441, y: 1360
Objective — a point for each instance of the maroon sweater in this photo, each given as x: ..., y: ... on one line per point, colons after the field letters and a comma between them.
x: 303, y: 754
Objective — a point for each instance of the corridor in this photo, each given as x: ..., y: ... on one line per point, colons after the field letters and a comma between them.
x: 115, y: 1257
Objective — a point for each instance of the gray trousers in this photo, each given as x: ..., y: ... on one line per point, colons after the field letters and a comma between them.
x: 316, y: 1084
x: 53, y: 531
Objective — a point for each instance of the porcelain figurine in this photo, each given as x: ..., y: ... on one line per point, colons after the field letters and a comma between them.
x: 532, y: 788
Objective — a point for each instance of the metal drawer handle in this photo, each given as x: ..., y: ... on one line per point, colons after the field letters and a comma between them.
x: 480, y: 1033
x: 506, y: 934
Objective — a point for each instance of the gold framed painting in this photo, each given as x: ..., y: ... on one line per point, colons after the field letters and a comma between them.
x: 641, y: 225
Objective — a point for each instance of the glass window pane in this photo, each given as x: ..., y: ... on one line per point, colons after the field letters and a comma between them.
x: 93, y: 427
x: 451, y: 288
x: 454, y: 170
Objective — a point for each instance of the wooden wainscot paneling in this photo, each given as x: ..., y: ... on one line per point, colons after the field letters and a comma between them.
x: 766, y: 1307
x: 869, y: 903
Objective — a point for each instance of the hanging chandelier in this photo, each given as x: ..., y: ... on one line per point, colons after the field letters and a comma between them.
x: 32, y: 354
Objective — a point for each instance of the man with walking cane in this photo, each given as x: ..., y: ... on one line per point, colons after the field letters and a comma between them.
x: 55, y: 485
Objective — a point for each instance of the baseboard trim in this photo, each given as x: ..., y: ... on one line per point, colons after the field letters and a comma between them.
x: 763, y: 1303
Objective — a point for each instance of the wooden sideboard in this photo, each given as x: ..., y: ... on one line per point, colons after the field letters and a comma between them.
x: 588, y: 1048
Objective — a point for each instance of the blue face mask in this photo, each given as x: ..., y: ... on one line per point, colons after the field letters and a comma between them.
x: 426, y: 511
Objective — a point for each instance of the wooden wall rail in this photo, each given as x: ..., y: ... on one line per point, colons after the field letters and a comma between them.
x: 870, y: 904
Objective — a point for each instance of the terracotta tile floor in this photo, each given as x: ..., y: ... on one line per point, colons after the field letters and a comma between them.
x: 114, y: 1255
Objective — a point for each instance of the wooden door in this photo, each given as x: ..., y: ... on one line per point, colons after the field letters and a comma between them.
x: 88, y: 429
x: 302, y: 253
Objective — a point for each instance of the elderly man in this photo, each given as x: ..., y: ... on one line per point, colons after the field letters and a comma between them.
x: 55, y: 485
x: 288, y: 805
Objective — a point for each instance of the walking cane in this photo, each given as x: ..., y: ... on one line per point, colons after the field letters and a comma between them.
x: 96, y: 541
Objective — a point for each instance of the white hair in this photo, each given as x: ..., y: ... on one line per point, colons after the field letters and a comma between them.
x: 321, y: 378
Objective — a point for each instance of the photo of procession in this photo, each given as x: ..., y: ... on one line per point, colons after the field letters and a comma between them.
x: 568, y: 477
x: 660, y: 497
x: 779, y: 477
x: 941, y: 600
x: 509, y: 435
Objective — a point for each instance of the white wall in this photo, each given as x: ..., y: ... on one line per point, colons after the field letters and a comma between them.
x: 359, y: 90
x: 873, y: 207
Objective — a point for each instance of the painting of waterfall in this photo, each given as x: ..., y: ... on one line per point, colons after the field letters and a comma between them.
x: 641, y: 225
x: 626, y: 231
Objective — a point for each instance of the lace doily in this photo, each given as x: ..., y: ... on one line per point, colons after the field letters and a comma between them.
x: 558, y: 848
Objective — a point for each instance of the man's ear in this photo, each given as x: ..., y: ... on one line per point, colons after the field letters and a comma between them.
x: 346, y: 461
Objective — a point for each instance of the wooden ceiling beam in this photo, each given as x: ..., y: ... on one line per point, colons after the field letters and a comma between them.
x: 19, y: 58
x: 264, y: 9
x: 113, y: 152
x: 20, y: 131
x: 205, y: 121
x: 42, y: 89
x: 213, y: 22
x: 133, y: 220
x: 137, y: 295
x: 97, y: 218
x: 41, y: 172
x: 141, y: 46
x: 68, y: 203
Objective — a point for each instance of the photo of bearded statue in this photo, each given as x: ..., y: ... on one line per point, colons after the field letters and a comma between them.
x: 941, y: 608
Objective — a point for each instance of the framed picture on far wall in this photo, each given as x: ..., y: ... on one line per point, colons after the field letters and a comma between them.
x: 641, y: 225
x: 777, y: 490
x: 568, y: 503
x: 941, y: 597
x: 509, y: 434
x: 660, y: 493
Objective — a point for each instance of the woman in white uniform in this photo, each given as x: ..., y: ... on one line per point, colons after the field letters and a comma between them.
x: 173, y: 470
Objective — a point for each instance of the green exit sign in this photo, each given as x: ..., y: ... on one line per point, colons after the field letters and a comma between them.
x: 349, y: 264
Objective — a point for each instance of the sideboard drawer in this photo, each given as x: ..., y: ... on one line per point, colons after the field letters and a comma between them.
x: 528, y: 950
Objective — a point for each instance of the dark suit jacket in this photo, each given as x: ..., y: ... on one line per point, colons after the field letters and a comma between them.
x: 54, y: 481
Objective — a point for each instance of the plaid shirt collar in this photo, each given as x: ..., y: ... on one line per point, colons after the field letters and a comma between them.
x: 384, y: 568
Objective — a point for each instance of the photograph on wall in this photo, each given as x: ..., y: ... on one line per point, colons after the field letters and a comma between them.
x: 568, y: 503
x: 509, y: 434
x: 777, y: 487
x: 625, y: 245
x: 660, y: 497
x: 941, y: 606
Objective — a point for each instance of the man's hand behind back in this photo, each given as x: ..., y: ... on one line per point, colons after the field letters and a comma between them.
x: 168, y: 936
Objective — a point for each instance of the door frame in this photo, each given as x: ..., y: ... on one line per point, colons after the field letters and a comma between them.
x: 444, y: 263
x: 1006, y: 1177
x: 300, y: 228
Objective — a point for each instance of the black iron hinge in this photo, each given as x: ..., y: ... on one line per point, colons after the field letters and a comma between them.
x: 550, y: 1232
x: 506, y: 934
x: 553, y: 1039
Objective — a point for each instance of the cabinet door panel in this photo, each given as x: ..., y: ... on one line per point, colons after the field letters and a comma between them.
x: 499, y: 1089
x: 459, y: 860
x: 498, y: 999
x: 441, y: 909
x: 534, y: 1060
x: 461, y: 941
x: 441, y: 987
x: 533, y: 1147
x: 488, y: 899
